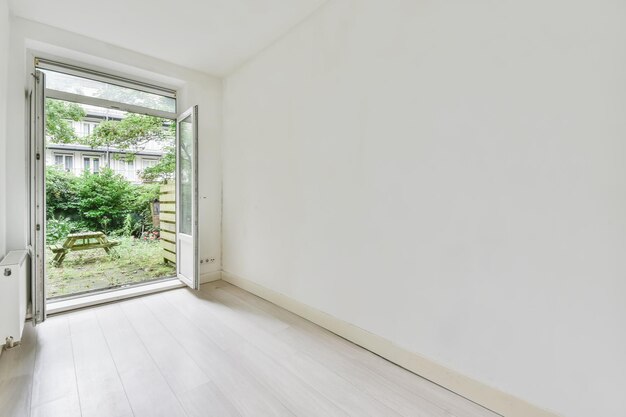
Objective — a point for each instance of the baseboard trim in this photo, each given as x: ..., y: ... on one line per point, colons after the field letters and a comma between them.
x: 210, y: 277
x: 478, y: 392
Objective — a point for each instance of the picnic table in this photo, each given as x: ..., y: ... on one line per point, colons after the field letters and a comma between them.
x: 81, y: 241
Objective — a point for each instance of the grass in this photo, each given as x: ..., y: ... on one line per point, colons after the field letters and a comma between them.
x: 133, y: 261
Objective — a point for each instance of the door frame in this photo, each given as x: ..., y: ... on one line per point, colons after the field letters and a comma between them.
x: 37, y: 185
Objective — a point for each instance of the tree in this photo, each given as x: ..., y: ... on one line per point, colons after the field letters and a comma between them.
x: 164, y: 169
x: 59, y: 115
x: 131, y: 134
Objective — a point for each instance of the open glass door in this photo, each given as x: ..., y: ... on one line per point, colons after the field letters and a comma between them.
x: 38, y: 199
x: 187, y: 198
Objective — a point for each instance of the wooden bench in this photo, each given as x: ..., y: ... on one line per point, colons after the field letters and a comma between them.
x: 81, y: 241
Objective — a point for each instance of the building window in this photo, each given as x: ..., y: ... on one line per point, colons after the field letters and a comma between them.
x: 83, y: 129
x: 65, y: 162
x: 147, y: 163
x: 91, y: 164
x: 126, y: 168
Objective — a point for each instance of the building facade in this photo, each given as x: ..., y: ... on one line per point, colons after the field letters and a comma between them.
x: 77, y: 159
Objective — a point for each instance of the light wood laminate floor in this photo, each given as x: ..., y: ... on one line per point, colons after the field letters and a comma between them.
x: 217, y: 352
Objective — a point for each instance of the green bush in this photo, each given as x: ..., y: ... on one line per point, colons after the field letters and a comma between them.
x: 143, y: 197
x: 61, y: 193
x: 104, y: 202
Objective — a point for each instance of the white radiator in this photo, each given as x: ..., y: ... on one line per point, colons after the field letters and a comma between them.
x: 13, y: 301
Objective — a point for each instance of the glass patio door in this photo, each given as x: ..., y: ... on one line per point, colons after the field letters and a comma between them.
x: 187, y: 198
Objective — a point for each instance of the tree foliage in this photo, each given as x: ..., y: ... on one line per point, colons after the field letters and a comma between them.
x: 59, y: 115
x: 164, y: 169
x: 131, y: 134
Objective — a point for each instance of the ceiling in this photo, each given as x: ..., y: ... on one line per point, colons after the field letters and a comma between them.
x: 212, y: 36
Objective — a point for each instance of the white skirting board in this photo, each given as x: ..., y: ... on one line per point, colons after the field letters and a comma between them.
x: 210, y: 277
x: 489, y: 397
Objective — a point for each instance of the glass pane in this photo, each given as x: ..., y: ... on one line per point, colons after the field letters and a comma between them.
x: 86, y: 164
x: 185, y: 190
x: 90, y: 88
x: 58, y: 160
x: 69, y: 163
x: 96, y: 165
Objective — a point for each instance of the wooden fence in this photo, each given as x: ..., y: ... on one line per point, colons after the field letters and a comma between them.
x: 167, y: 216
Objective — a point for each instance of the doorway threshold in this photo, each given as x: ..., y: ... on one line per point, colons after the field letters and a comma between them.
x: 89, y: 300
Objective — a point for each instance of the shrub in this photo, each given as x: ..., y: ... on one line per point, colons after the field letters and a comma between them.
x: 127, y: 229
x: 61, y: 194
x: 99, y: 202
x: 104, y: 200
x: 57, y: 229
x: 143, y: 197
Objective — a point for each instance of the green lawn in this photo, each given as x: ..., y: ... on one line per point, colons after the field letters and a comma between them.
x: 132, y: 261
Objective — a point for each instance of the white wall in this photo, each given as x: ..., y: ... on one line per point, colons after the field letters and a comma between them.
x: 4, y: 57
x: 448, y: 175
x: 29, y: 38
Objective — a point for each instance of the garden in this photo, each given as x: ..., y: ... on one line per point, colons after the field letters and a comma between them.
x: 109, y: 203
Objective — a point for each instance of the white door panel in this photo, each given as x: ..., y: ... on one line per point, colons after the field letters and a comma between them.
x: 187, y: 198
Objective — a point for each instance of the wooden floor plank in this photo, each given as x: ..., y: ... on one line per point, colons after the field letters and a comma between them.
x: 100, y: 388
x: 67, y: 406
x: 143, y: 382
x: 207, y: 400
x: 55, y: 390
